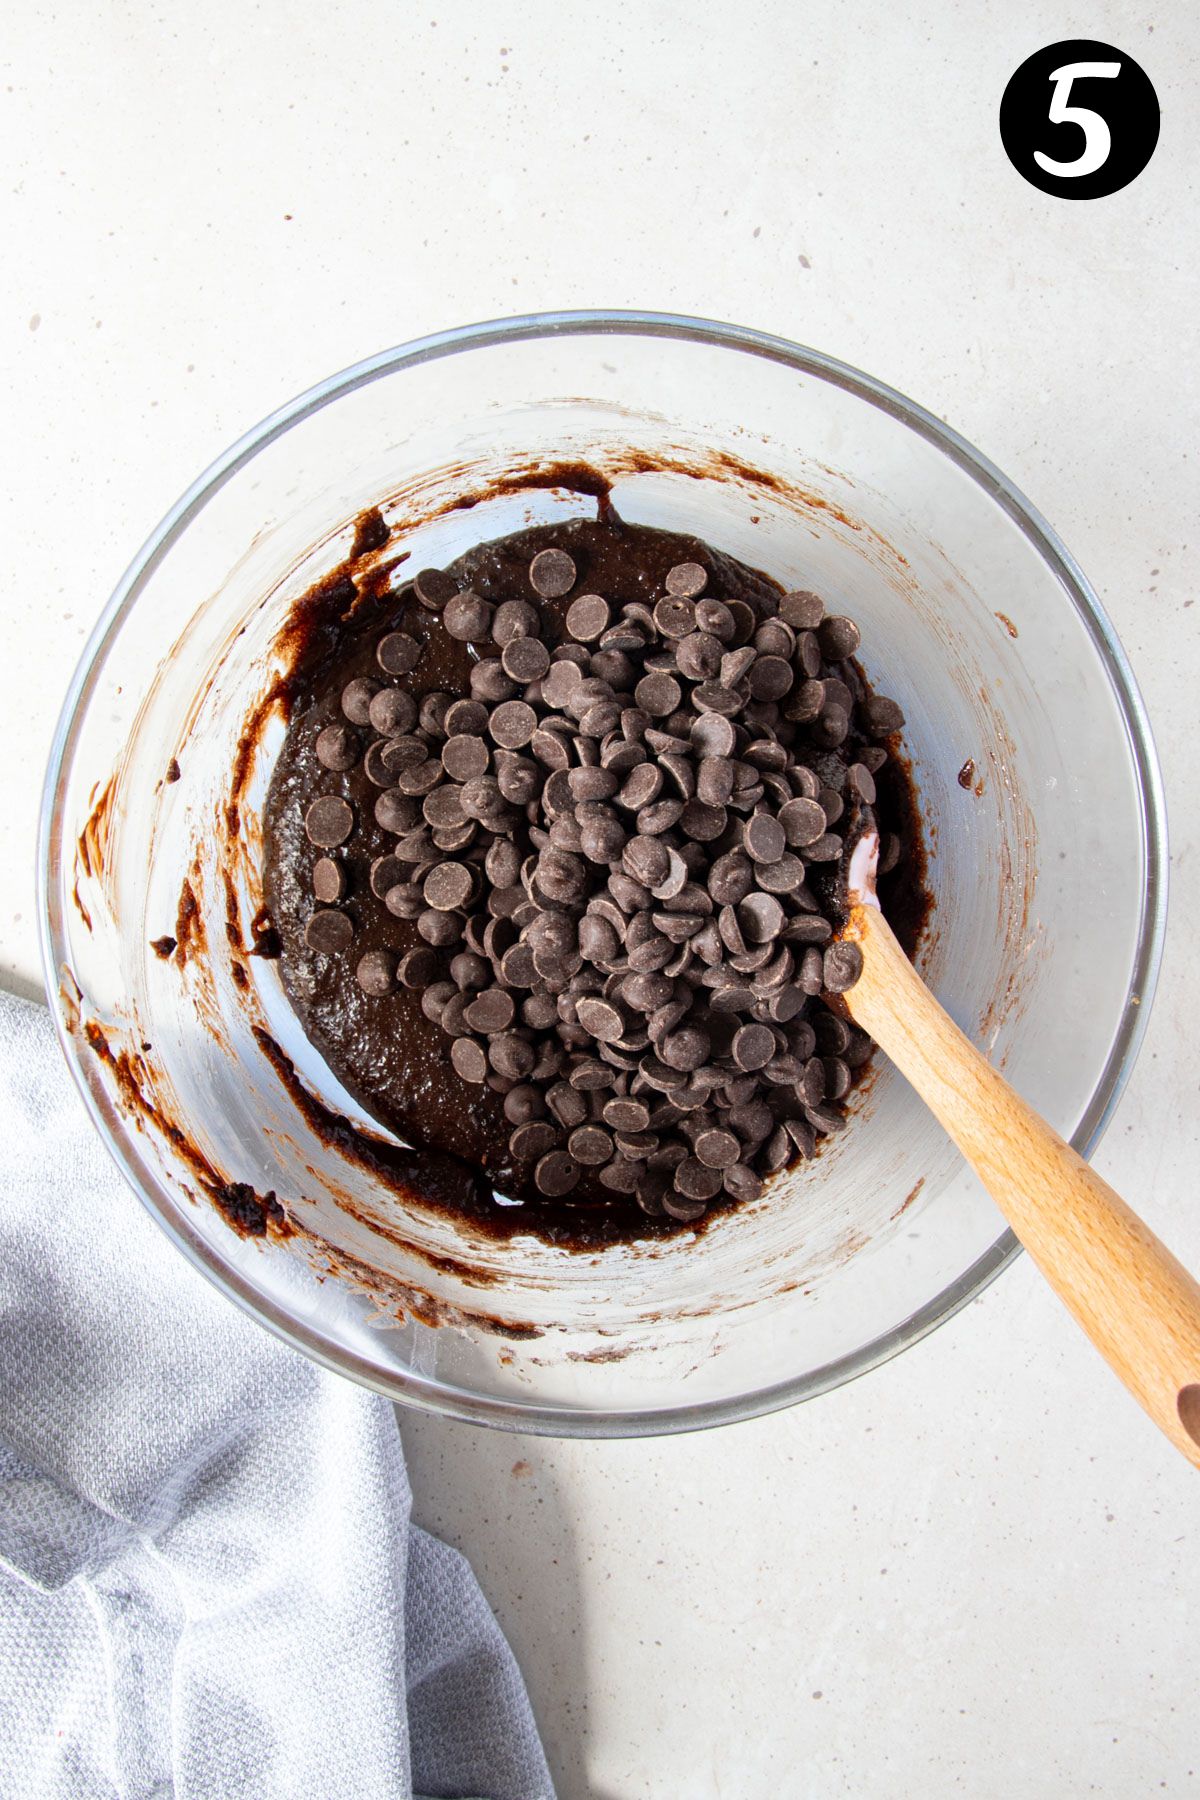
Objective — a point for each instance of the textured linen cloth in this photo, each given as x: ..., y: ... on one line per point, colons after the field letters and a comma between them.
x: 209, y: 1583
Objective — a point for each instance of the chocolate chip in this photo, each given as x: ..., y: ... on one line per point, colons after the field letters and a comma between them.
x: 376, y: 973
x: 512, y: 724
x: 686, y: 580
x: 843, y: 966
x: 468, y: 617
x: 838, y: 637
x: 552, y: 574
x: 395, y: 811
x: 418, y: 778
x: 491, y: 1011
x: 438, y: 927
x: 742, y: 1184
x: 398, y: 654
x: 831, y: 728
x: 626, y: 1115
x: 489, y: 684
x: 590, y: 1145
x: 465, y: 756
x: 753, y: 1046
x: 435, y: 1000
x: 328, y: 880
x: 685, y: 1049
x: 337, y: 748
x: 826, y: 848
x: 448, y: 886
x: 417, y: 968
x: 717, y: 1149
x: 882, y: 716
x: 398, y: 753
x: 392, y: 712
x: 702, y: 823
x: 713, y: 736
x: 375, y: 766
x: 532, y: 1140
x: 329, y: 931
x: 433, y: 588
x: 764, y: 838
x: 760, y: 917
x: 470, y: 970
x: 405, y: 900
x: 674, y: 617
x: 803, y: 822
x: 515, y: 619
x: 557, y: 1173
x: 805, y: 702
x: 698, y: 656
x: 731, y: 878
x: 647, y: 860
x: 601, y: 1019
x: 694, y: 1180
x: 328, y: 821
x: 658, y: 694
x: 511, y: 1055
x: 469, y: 1059
x: 356, y: 699
x: 560, y: 682
x: 588, y: 617
x: 525, y: 659
x: 861, y: 783
x: 802, y: 610
x: 770, y: 678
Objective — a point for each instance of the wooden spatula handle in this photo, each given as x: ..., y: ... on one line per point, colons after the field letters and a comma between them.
x: 1139, y: 1306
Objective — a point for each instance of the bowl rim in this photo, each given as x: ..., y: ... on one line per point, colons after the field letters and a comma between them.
x: 411, y: 1389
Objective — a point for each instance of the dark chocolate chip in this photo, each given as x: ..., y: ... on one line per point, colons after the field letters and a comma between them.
x: 588, y: 617
x: 338, y: 748
x: 465, y: 756
x: 556, y: 1173
x: 356, y: 699
x: 686, y: 580
x: 532, y: 1140
x: 433, y: 587
x: 328, y: 821
x: 717, y: 1149
x: 469, y: 1059
x: 468, y: 617
x: 398, y: 654
x: 552, y: 574
x: 512, y: 724
x: 491, y: 1011
x: 328, y: 881
x: 764, y: 838
x: 753, y: 1046
x: 376, y: 973
x: 802, y: 610
x: 843, y: 966
x: 329, y: 930
x: 838, y: 637
x: 525, y: 659
x: 448, y: 886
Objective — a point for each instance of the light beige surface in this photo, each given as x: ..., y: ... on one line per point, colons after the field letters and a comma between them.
x: 978, y: 1557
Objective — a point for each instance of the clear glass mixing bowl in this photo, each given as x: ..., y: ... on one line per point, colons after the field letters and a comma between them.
x: 1048, y: 865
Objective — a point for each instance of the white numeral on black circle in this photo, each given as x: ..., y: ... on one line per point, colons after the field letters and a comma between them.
x: 1097, y: 137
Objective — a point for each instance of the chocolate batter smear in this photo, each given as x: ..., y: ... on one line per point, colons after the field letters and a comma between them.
x: 552, y: 859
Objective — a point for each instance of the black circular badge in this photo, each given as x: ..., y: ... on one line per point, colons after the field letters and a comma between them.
x: 1079, y: 119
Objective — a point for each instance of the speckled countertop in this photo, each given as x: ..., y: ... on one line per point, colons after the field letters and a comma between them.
x: 971, y: 1571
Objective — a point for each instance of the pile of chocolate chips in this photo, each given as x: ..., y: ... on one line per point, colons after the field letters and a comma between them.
x: 621, y: 857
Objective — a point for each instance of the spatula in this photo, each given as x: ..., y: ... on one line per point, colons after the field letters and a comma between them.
x: 1137, y: 1303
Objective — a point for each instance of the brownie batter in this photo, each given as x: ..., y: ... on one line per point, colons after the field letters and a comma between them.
x: 394, y: 721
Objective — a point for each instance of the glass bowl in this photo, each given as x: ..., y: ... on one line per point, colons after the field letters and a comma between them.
x: 1038, y: 787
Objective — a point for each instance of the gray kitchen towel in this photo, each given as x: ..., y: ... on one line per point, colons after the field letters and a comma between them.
x: 209, y: 1582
